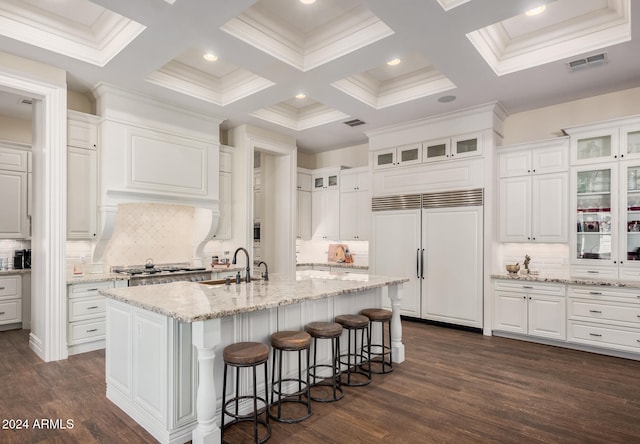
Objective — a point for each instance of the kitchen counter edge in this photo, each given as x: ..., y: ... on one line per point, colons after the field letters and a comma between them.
x: 567, y: 280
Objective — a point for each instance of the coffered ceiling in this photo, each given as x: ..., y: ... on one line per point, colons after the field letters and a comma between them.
x: 305, y: 69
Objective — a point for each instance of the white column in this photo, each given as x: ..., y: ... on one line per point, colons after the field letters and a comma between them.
x: 397, y: 347
x: 205, y: 337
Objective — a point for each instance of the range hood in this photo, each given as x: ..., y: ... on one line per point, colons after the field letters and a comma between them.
x: 155, y: 153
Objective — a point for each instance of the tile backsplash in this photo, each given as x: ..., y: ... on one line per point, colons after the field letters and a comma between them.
x: 315, y: 251
x: 549, y: 259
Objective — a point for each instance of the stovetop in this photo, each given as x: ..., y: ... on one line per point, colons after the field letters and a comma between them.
x: 160, y: 269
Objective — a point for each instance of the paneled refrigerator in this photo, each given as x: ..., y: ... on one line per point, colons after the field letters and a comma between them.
x: 435, y: 239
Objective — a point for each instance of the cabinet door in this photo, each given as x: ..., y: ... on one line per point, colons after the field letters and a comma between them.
x: 325, y: 214
x: 550, y: 159
x: 595, y: 214
x: 466, y: 146
x: 549, y: 203
x: 224, y: 224
x: 13, y: 202
x: 349, y: 209
x: 630, y: 214
x: 396, y: 246
x: 515, y: 209
x: 510, y: 312
x: 384, y: 159
x: 547, y: 316
x: 82, y: 134
x: 304, y: 181
x: 304, y: 215
x: 594, y: 146
x: 436, y: 150
x: 514, y: 163
x: 409, y: 154
x: 81, y: 193
x: 630, y: 141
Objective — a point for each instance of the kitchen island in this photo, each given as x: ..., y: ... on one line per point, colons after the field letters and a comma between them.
x: 162, y: 340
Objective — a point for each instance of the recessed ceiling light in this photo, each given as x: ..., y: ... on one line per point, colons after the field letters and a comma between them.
x: 307, y: 2
x: 301, y: 96
x: 210, y: 57
x: 394, y: 62
x: 535, y: 11
x: 446, y: 99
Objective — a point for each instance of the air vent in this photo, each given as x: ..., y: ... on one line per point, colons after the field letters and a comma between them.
x: 354, y: 122
x: 587, y: 62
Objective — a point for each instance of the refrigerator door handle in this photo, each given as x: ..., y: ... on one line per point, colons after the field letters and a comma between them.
x: 418, y: 263
x: 422, y: 264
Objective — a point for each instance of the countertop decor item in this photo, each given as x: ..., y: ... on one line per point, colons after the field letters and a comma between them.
x: 513, y: 269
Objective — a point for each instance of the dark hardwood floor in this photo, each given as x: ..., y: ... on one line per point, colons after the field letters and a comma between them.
x: 454, y: 387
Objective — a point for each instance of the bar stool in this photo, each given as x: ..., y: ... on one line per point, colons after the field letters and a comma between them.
x: 246, y: 355
x: 355, y: 359
x: 379, y: 352
x: 331, y: 331
x: 295, y: 341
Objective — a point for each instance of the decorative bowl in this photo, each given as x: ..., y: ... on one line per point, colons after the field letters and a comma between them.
x: 513, y: 268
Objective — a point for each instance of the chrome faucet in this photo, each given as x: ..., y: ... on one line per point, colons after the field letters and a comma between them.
x: 265, y: 275
x: 234, y: 261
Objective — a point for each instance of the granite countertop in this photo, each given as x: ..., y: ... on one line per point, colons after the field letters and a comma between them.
x: 333, y: 265
x: 566, y: 280
x: 191, y: 301
x: 14, y: 271
x: 88, y: 278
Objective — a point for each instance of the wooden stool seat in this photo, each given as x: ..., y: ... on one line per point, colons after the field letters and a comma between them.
x: 324, y: 330
x: 246, y: 353
x: 291, y: 340
x: 377, y: 314
x: 352, y: 321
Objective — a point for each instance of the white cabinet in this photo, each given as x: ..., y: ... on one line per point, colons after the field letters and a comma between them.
x: 224, y: 224
x: 530, y: 308
x: 458, y: 147
x: 325, y: 204
x: 355, y: 204
x: 82, y: 175
x: 605, y: 317
x: 86, y: 315
x: 13, y: 192
x: 534, y: 193
x: 393, y: 157
x: 10, y: 301
x: 304, y: 205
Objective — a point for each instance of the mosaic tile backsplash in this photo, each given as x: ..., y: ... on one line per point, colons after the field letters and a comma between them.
x: 161, y: 232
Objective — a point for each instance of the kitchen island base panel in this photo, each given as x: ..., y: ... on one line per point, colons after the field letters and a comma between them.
x: 397, y: 347
x: 206, y: 336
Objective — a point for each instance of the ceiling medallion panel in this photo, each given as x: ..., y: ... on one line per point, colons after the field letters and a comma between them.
x: 386, y: 85
x: 307, y: 36
x: 299, y: 115
x: 450, y: 4
x: 78, y: 28
x: 566, y: 28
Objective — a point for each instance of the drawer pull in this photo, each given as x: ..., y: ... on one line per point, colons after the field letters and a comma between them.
x: 92, y: 330
x: 92, y: 289
x: 93, y: 307
x: 593, y: 271
x: 528, y: 287
x: 595, y: 311
x: 597, y: 292
x: 597, y: 335
x: 2, y: 288
x: 2, y: 312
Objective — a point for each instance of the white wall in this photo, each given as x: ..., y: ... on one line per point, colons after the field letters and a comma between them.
x: 353, y: 156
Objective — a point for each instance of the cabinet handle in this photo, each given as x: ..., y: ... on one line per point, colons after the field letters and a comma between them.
x: 2, y: 312
x: 527, y: 286
x: 92, y: 307
x: 598, y: 293
x: 595, y: 311
x: 593, y: 271
x: 418, y: 264
x: 2, y: 288
x: 422, y: 264
x: 92, y: 289
x: 597, y: 335
x: 92, y: 330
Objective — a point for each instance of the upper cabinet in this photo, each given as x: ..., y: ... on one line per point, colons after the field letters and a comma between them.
x: 325, y: 204
x: 304, y: 204
x: 533, y: 192
x: 604, y: 142
x: 355, y: 204
x: 224, y: 223
x: 393, y: 157
x: 82, y: 175
x: 13, y: 191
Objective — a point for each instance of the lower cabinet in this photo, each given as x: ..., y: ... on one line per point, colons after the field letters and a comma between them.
x: 86, y: 315
x: 604, y: 317
x: 530, y: 308
x: 10, y: 302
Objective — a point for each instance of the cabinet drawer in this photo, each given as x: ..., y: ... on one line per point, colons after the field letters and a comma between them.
x: 13, y: 159
x: 86, y: 308
x: 631, y: 295
x: 619, y: 338
x: 595, y: 272
x: 595, y: 310
x: 10, y: 287
x: 86, y: 331
x: 529, y: 287
x: 10, y: 311
x: 88, y: 289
